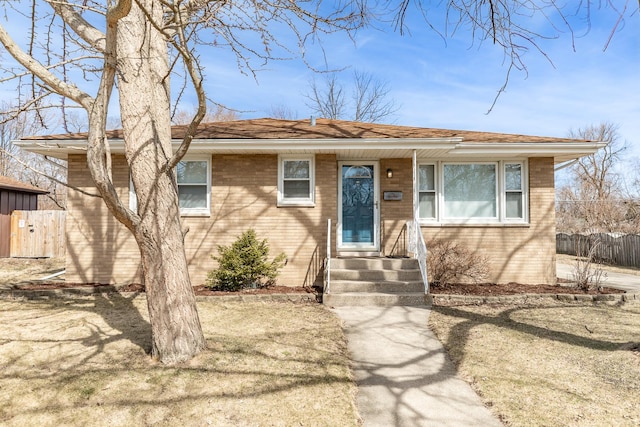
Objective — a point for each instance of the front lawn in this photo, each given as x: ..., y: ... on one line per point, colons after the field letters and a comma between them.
x: 551, y: 365
x: 82, y: 362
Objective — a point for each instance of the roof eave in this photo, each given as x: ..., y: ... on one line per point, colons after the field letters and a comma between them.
x: 561, y: 151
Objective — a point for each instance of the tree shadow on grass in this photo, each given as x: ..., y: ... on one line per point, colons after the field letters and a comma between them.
x: 505, y: 319
x: 232, y: 371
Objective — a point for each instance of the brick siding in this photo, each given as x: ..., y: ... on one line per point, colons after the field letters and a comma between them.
x: 244, y: 195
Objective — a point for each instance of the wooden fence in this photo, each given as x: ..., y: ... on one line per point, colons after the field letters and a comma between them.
x: 611, y: 248
x: 37, y: 234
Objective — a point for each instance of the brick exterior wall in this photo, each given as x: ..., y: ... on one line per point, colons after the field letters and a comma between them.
x: 99, y: 248
x: 394, y: 214
x: 244, y: 195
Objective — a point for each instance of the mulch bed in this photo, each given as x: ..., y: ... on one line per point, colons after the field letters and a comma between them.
x: 489, y: 289
x: 136, y: 287
x: 481, y: 289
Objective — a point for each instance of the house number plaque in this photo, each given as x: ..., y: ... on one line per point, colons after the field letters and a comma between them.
x: 392, y: 195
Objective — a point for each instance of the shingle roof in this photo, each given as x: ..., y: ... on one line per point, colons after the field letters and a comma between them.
x: 324, y: 128
x: 12, y: 184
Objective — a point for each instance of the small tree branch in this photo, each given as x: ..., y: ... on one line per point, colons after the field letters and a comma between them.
x: 80, y: 26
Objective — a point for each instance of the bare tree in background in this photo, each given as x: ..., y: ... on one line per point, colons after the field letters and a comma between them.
x: 595, y: 200
x: 44, y: 173
x: 281, y: 111
x: 214, y: 114
x: 366, y: 99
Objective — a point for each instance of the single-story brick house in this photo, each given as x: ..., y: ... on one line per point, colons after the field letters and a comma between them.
x: 492, y: 192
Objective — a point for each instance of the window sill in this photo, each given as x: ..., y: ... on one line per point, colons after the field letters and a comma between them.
x: 475, y: 224
x: 296, y: 205
x: 195, y: 214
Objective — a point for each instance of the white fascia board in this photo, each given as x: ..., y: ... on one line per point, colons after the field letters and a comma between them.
x: 455, y: 146
x: 531, y: 149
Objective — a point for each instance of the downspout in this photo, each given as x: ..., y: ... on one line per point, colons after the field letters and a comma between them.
x: 565, y: 165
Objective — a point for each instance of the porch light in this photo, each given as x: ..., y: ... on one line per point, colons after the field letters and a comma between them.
x: 389, y: 173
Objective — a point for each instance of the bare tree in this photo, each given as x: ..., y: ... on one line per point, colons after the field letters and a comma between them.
x: 594, y: 199
x: 366, y: 101
x: 218, y: 113
x: 139, y: 44
x: 282, y: 111
x: 44, y: 173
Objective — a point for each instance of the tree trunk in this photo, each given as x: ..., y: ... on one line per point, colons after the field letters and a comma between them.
x: 143, y: 83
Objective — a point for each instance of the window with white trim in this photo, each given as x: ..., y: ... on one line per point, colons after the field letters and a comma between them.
x: 193, y: 174
x: 296, y: 180
x: 474, y: 192
x: 513, y: 191
x: 427, y: 191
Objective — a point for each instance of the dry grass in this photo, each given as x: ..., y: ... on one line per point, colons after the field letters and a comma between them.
x: 555, y: 365
x: 83, y: 362
x: 16, y: 270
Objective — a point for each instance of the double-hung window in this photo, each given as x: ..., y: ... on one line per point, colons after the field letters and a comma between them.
x: 194, y: 185
x: 296, y: 181
x: 466, y: 192
x: 193, y: 174
x: 513, y: 192
x: 427, y: 191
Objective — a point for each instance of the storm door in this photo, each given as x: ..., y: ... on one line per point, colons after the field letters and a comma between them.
x: 358, y: 211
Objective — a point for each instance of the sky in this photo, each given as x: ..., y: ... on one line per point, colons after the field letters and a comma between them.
x: 451, y: 82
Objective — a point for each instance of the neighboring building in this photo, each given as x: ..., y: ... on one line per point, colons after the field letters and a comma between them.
x: 492, y: 192
x: 14, y: 195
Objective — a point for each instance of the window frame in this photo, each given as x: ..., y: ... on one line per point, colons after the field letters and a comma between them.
x: 308, y: 201
x: 205, y: 211
x: 435, y: 191
x: 501, y: 193
x: 524, y: 187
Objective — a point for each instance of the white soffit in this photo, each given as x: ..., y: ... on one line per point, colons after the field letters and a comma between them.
x: 434, y: 148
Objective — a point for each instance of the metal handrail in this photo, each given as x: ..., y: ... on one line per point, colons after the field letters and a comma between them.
x: 327, y: 261
x: 418, y: 247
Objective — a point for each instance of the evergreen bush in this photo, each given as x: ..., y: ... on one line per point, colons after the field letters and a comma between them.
x: 244, y: 264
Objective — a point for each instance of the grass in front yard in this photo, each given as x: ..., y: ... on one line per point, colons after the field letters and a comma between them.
x: 553, y: 365
x: 83, y: 362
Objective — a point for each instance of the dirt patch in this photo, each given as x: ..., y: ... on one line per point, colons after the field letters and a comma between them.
x: 489, y: 289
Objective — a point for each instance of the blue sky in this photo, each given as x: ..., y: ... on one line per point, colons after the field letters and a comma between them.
x: 452, y: 83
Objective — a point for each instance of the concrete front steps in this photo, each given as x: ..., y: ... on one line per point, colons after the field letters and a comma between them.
x: 375, y: 282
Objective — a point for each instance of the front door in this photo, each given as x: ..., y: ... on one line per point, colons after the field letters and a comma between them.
x: 358, y: 214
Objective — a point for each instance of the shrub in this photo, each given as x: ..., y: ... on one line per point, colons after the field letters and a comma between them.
x: 244, y: 264
x: 449, y: 262
x: 587, y: 272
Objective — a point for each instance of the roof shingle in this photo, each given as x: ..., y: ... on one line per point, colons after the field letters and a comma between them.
x: 324, y: 128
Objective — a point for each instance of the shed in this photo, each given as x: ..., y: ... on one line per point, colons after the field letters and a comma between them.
x: 14, y: 195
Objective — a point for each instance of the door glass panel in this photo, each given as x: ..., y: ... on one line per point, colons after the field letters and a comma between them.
x: 357, y: 204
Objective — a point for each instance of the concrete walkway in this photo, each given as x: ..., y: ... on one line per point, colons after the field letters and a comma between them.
x: 403, y: 374
x: 626, y: 282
